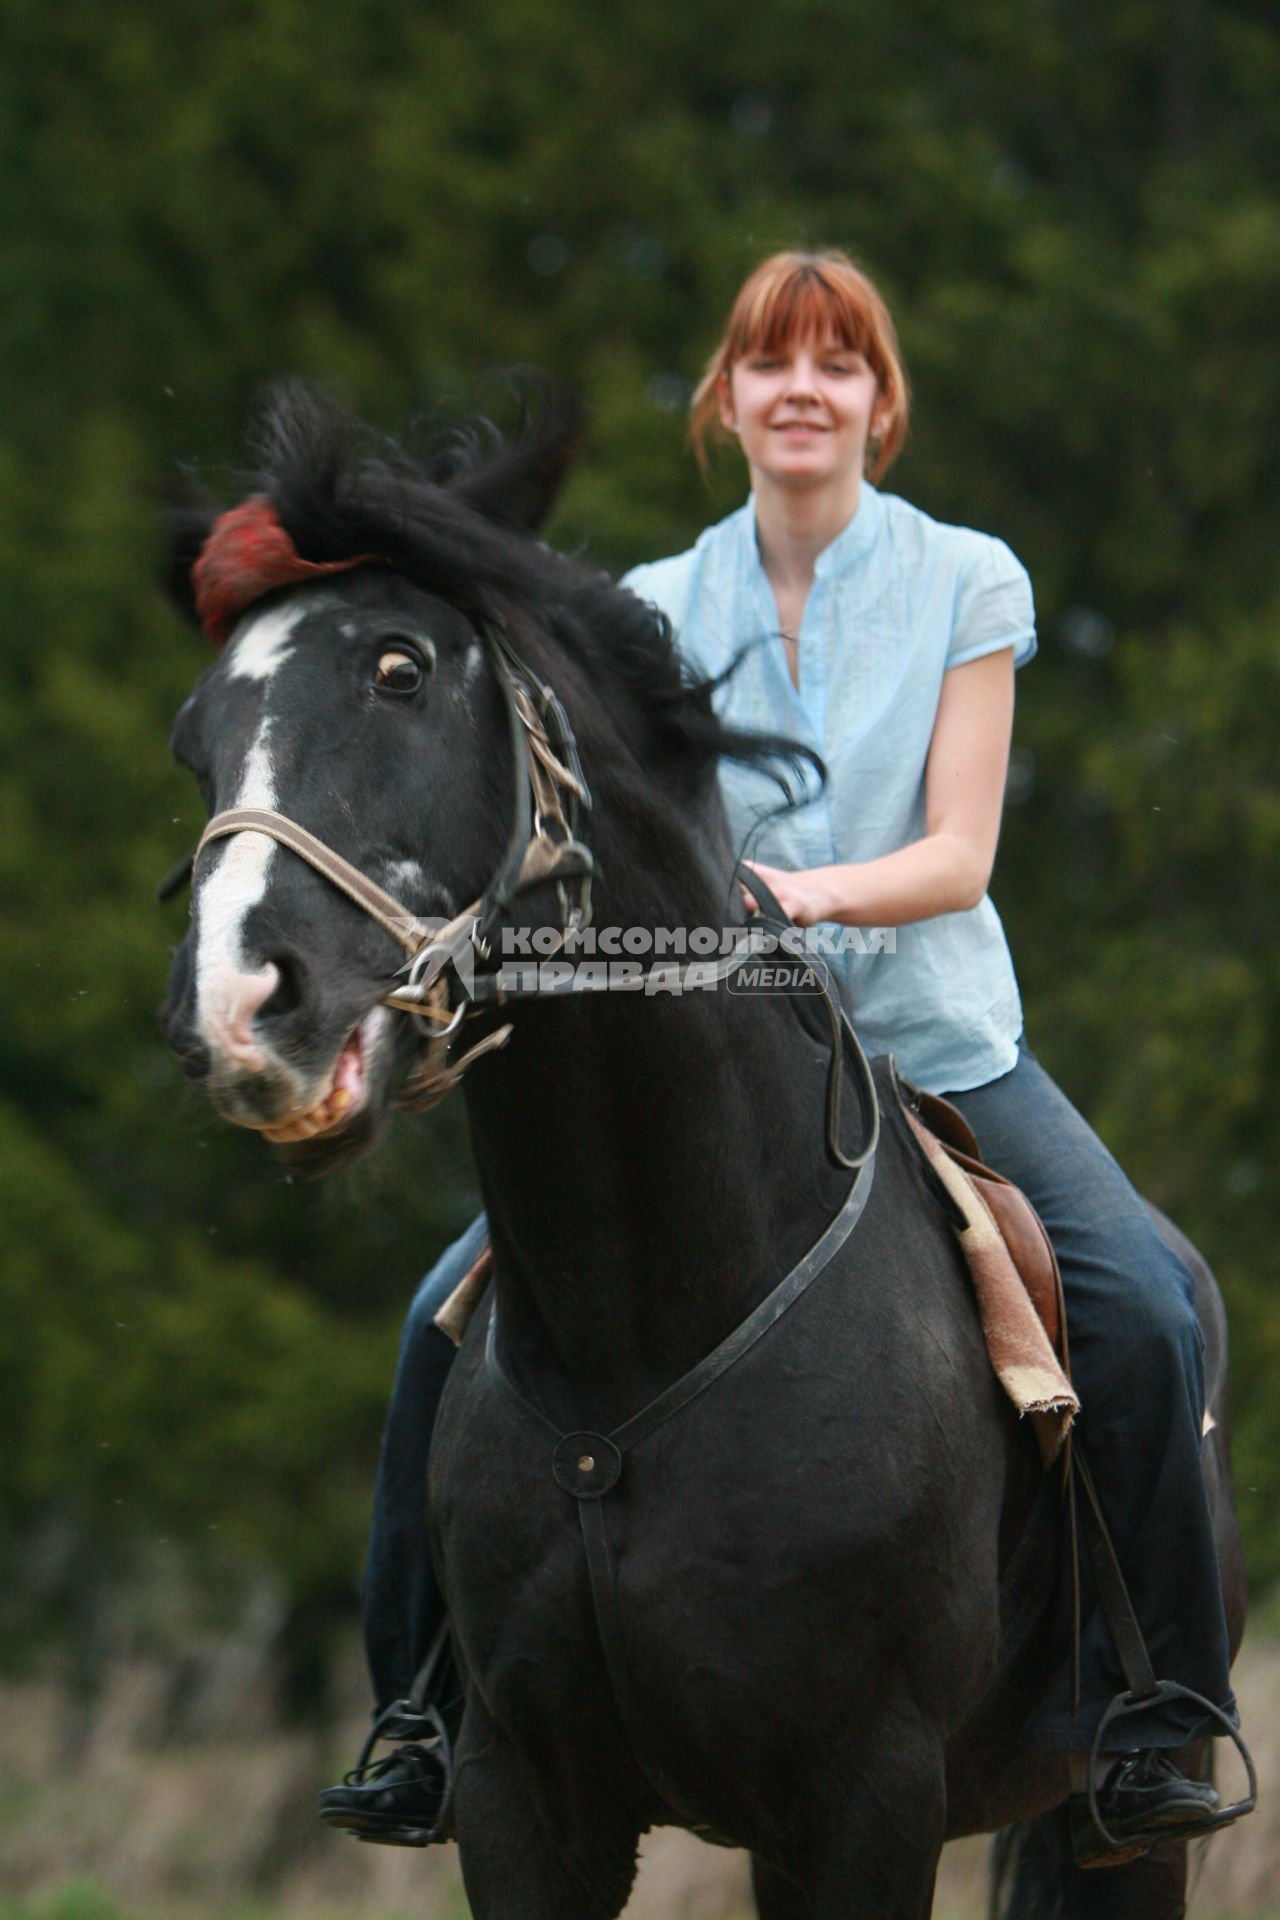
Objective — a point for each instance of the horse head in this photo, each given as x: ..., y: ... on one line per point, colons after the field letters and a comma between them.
x: 353, y: 693
x: 359, y: 692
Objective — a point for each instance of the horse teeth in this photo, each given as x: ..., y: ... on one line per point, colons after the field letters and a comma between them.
x: 317, y: 1119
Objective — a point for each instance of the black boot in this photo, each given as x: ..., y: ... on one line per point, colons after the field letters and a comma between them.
x: 1144, y: 1799
x: 406, y: 1798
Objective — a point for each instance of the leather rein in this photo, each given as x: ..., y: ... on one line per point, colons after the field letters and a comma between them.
x: 543, y: 849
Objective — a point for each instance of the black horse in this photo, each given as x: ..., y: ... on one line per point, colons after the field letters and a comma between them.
x: 835, y: 1576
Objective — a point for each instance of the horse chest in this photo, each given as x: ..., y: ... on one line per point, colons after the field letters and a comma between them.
x: 747, y: 1554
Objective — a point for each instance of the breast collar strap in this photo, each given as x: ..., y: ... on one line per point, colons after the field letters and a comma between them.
x: 588, y: 1465
x: 544, y: 848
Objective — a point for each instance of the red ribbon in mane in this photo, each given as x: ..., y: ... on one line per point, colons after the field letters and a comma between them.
x: 248, y: 553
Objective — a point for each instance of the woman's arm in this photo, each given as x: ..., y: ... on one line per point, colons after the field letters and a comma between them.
x: 950, y: 867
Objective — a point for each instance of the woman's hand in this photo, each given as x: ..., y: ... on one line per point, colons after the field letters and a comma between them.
x: 947, y: 870
x: 808, y: 897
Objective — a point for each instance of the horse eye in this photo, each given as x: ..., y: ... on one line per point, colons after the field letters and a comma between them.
x: 398, y: 672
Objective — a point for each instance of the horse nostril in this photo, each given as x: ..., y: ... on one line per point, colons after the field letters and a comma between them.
x: 287, y: 993
x: 194, y: 1059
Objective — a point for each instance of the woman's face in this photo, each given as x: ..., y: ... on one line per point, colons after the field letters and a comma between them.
x: 803, y: 413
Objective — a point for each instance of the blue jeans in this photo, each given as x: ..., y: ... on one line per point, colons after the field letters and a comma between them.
x: 1132, y: 1320
x: 1137, y: 1362
x: 403, y: 1604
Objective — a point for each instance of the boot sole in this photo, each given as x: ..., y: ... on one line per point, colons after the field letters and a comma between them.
x: 1160, y: 1829
x: 376, y: 1827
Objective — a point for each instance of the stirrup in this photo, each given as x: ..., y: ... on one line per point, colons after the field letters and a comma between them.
x: 402, y: 1721
x: 412, y: 1724
x: 1120, y: 1850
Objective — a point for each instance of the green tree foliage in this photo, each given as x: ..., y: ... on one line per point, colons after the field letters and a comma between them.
x: 1074, y: 210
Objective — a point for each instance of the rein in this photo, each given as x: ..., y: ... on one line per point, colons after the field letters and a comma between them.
x: 543, y: 849
x: 588, y: 1465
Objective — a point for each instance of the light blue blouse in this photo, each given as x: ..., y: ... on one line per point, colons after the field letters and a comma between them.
x: 897, y: 598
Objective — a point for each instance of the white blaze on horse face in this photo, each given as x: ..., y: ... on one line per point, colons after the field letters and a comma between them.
x: 257, y: 650
x: 229, y: 989
x: 228, y: 992
x: 462, y: 688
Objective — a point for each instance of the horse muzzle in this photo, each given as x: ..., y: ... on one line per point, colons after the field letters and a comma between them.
x: 257, y: 1042
x: 251, y: 1086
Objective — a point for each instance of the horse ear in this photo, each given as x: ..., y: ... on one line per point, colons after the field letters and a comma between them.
x: 187, y: 529
x: 517, y: 483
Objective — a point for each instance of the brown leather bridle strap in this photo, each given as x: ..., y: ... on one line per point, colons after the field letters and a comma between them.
x: 543, y: 848
x: 403, y: 926
x: 548, y: 776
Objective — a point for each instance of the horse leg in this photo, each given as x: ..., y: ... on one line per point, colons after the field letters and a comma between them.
x: 778, y: 1896
x: 877, y: 1831
x: 513, y: 1865
x: 1153, y: 1888
x: 1042, y: 1882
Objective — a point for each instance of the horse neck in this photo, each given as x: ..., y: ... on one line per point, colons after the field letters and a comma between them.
x: 652, y: 1166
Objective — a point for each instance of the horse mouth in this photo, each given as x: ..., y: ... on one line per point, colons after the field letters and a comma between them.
x: 344, y: 1096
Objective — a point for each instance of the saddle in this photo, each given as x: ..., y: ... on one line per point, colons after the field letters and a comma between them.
x: 1011, y: 1262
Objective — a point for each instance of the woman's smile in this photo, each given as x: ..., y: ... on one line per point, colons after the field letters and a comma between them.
x: 803, y: 414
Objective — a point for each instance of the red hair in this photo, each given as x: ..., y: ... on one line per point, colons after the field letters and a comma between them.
x: 795, y: 296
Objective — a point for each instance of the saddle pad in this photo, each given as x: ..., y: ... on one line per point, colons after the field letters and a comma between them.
x: 454, y: 1316
x: 1015, y: 1279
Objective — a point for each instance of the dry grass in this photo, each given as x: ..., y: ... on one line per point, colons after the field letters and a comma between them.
x: 101, y: 1820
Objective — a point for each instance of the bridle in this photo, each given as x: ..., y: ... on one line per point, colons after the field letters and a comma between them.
x: 544, y: 848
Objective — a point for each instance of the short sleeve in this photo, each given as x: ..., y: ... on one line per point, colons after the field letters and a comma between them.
x: 994, y: 607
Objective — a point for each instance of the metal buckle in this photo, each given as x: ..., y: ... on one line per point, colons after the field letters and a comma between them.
x: 427, y: 965
x: 441, y: 1033
x: 540, y: 827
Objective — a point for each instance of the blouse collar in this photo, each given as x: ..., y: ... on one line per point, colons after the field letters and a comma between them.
x: 855, y: 538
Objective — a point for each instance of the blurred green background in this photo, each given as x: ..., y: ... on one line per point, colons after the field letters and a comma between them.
x: 1074, y: 209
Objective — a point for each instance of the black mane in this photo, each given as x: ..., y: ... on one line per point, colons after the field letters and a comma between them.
x: 461, y: 523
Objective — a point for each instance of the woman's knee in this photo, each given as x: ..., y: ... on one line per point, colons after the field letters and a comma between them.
x: 1142, y: 1336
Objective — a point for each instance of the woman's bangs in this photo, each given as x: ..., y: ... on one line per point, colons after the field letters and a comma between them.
x: 802, y: 305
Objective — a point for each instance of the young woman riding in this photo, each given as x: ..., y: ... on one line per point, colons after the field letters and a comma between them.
x: 887, y: 642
